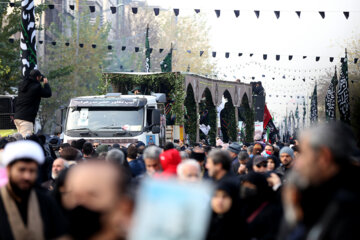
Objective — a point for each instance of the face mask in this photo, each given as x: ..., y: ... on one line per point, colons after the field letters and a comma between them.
x: 84, y: 222
x: 247, y: 193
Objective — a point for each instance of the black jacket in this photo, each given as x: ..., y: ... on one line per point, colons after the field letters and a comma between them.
x: 29, y: 97
x: 53, y: 220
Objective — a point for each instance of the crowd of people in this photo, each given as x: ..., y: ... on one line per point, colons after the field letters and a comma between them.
x: 306, y: 189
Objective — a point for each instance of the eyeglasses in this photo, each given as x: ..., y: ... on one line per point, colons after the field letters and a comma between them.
x: 263, y: 164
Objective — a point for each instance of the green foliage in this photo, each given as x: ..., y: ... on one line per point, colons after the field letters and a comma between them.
x: 229, y: 116
x: 172, y: 84
x: 190, y: 115
x: 72, y: 70
x: 211, y: 117
x: 249, y: 120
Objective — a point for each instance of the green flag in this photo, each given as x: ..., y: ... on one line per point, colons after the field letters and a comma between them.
x: 148, y: 52
x: 166, y: 64
x: 297, y: 112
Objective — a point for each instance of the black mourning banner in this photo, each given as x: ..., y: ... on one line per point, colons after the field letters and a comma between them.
x: 314, y: 107
x: 217, y: 13
x: 237, y: 13
x: 343, y: 92
x: 273, y: 131
x: 27, y: 38
x: 330, y: 99
x: 277, y: 14
x: 156, y: 11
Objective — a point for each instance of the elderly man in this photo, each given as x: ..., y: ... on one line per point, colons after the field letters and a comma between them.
x: 152, y: 160
x: 25, y: 211
x: 327, y: 183
x: 287, y: 161
x: 58, y: 165
x: 96, y: 202
x: 189, y: 171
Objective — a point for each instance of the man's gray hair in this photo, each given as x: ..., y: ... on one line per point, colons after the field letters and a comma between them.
x: 189, y: 162
x: 115, y: 156
x: 184, y: 155
x: 152, y: 152
x: 336, y: 136
x: 243, y: 155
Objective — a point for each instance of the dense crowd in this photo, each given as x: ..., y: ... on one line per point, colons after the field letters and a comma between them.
x: 305, y: 189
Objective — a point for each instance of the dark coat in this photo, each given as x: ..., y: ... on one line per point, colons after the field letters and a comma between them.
x: 331, y: 211
x: 29, y: 97
x: 53, y: 219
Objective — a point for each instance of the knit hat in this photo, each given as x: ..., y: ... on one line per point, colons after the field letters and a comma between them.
x: 234, y: 147
x: 102, y: 148
x: 169, y: 161
x: 288, y: 151
x: 23, y: 149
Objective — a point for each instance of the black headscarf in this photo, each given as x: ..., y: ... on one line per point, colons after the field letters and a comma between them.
x: 229, y: 224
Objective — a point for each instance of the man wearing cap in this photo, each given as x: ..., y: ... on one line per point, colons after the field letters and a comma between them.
x: 259, y: 164
x: 25, y: 211
x: 234, y: 149
x: 287, y: 160
x: 28, y: 101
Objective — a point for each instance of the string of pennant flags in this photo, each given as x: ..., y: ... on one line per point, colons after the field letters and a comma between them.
x: 135, y: 10
x: 201, y: 52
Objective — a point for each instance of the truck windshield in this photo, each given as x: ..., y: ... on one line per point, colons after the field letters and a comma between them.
x: 105, y: 119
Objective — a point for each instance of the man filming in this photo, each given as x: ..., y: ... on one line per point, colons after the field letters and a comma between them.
x: 27, y: 104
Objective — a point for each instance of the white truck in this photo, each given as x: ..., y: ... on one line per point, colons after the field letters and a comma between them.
x: 115, y: 118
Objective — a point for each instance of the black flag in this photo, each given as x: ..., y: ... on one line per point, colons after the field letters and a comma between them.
x: 314, y: 107
x: 330, y: 99
x: 27, y: 39
x: 343, y: 92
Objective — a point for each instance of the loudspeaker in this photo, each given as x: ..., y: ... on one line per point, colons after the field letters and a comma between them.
x: 6, y: 113
x: 259, y: 105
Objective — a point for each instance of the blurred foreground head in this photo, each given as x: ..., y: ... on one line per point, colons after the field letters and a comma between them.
x: 96, y: 201
x: 325, y: 150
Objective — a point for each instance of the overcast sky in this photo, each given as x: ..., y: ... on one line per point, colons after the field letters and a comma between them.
x: 308, y: 36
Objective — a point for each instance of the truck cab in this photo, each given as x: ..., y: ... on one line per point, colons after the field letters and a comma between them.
x: 115, y: 118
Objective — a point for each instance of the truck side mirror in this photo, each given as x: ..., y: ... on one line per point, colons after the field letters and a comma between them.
x: 155, y: 129
x: 155, y: 117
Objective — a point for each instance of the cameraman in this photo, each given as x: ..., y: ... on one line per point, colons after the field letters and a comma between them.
x: 27, y: 103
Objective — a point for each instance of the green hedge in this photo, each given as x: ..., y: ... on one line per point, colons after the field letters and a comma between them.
x: 172, y: 84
